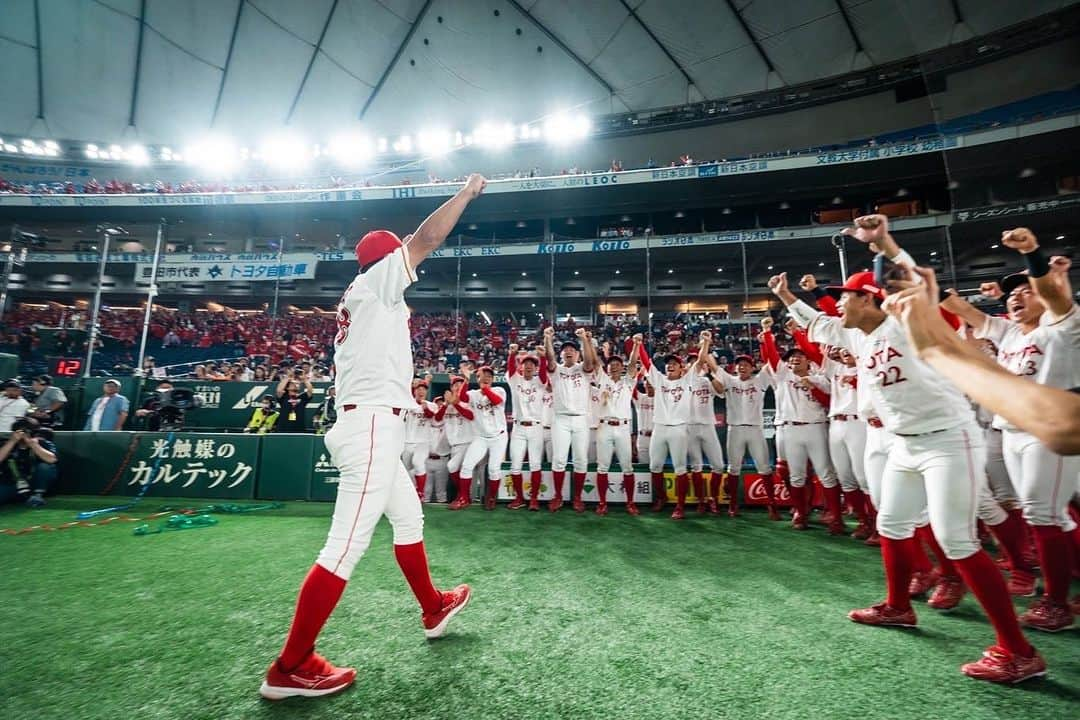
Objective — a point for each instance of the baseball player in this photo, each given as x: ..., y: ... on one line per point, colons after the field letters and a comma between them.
x: 1040, y: 340
x: 592, y: 417
x: 847, y: 434
x: 702, y: 442
x: 488, y: 405
x: 801, y: 404
x: 616, y: 387
x: 547, y: 418
x: 644, y: 406
x: 418, y: 434
x: 936, y: 459
x: 458, y: 418
x: 438, y: 461
x: 570, y: 430
x: 527, y: 380
x: 744, y: 397
x: 373, y: 355
x: 672, y: 414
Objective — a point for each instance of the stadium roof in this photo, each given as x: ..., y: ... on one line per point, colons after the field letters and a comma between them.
x: 162, y: 71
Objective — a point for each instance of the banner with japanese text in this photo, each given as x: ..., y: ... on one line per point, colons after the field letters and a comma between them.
x: 231, y: 268
x: 194, y: 465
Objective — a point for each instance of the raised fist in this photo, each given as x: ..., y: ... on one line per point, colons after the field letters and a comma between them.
x: 706, y: 336
x: 791, y: 326
x: 475, y: 185
x: 808, y: 283
x: 513, y: 348
x: 638, y: 339
x: 778, y: 283
x: 871, y: 229
x: 549, y: 332
x: 1060, y: 263
x: 767, y: 323
x: 991, y: 290
x: 580, y: 333
x: 1020, y: 239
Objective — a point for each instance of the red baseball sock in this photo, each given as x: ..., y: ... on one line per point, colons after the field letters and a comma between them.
x: 534, y: 485
x: 832, y: 503
x: 783, y: 472
x: 896, y: 555
x: 464, y: 489
x: 412, y: 559
x: 319, y: 595
x: 987, y: 584
x: 769, y: 481
x: 699, y: 486
x: 579, y: 485
x: 519, y: 493
x: 798, y: 499
x: 559, y: 476
x: 1055, y: 559
x: 715, y: 481
x: 1010, y: 536
x: 421, y: 481
x: 682, y: 484
x: 731, y: 488
x: 858, y: 501
x: 602, y: 486
x: 455, y: 478
x: 628, y: 486
x: 493, y: 489
x: 871, y: 511
x: 658, y: 485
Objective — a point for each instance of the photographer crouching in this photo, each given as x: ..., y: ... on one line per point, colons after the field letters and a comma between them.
x: 27, y: 463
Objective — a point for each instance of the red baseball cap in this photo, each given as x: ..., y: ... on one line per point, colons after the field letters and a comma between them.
x: 743, y: 358
x: 860, y: 282
x: 374, y: 246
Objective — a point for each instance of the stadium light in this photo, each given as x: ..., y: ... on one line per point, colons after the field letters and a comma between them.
x: 8, y: 147
x: 493, y: 135
x: 286, y: 151
x: 433, y: 142
x: 562, y: 128
x: 92, y: 151
x: 214, y: 154
x: 351, y: 149
x: 403, y: 145
x: 137, y: 155
x: 382, y: 145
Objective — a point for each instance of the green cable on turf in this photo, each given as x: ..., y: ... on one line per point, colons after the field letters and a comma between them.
x: 223, y: 508
x: 178, y: 522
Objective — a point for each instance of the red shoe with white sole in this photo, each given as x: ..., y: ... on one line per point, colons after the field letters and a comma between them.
x: 454, y: 601
x: 314, y: 677
x: 883, y: 614
x: 999, y: 665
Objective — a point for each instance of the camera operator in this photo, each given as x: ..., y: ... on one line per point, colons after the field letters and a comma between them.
x: 49, y: 403
x: 326, y: 415
x: 12, y: 404
x: 293, y: 401
x: 263, y: 418
x: 27, y: 463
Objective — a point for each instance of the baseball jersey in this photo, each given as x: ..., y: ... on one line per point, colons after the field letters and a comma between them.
x: 440, y: 445
x: 570, y: 388
x: 672, y: 398
x: 548, y: 406
x: 745, y: 399
x: 906, y: 394
x: 372, y: 348
x: 418, y: 422
x: 644, y: 406
x: 592, y: 417
x: 794, y: 403
x: 1047, y: 355
x: 615, y: 397
x: 527, y: 397
x: 490, y: 417
x: 701, y: 400
x: 843, y: 388
x: 459, y: 428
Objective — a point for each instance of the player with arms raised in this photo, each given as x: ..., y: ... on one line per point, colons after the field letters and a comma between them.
x: 373, y: 355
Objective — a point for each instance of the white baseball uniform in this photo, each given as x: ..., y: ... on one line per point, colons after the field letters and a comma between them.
x: 570, y: 428
x: 937, y: 456
x: 489, y: 432
x: 613, y: 436
x: 670, y: 418
x: 547, y: 418
x: 644, y: 407
x: 418, y: 418
x: 702, y: 441
x: 592, y: 417
x: 1048, y: 355
x: 847, y: 432
x: 373, y: 355
x: 805, y: 424
x: 745, y: 402
x: 527, y: 398
x: 438, y: 465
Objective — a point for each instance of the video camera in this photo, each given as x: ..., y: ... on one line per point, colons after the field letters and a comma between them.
x: 167, y: 408
x: 31, y: 427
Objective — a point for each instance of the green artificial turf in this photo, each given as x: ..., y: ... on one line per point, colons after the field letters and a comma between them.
x: 572, y: 617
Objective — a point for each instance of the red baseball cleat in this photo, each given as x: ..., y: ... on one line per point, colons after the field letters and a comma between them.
x: 534, y: 505
x: 678, y: 514
x: 1046, y: 615
x: 713, y: 510
x: 733, y: 509
x: 456, y: 504
x: 874, y: 540
x: 516, y: 504
x: 555, y: 503
x: 1021, y: 584
x: 579, y: 505
x: 922, y: 582
x: 799, y: 521
x: 454, y: 601
x: 632, y: 509
x: 837, y: 527
x: 774, y: 514
x: 489, y: 502
x: 948, y: 593
x: 862, y: 531
x: 701, y: 507
x: 999, y: 665
x: 658, y: 504
x: 882, y: 614
x: 601, y: 509
x: 1074, y: 605
x: 312, y: 678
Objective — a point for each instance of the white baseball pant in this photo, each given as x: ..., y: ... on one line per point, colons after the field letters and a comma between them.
x: 778, y: 440
x: 1045, y: 481
x: 415, y: 458
x: 1001, y: 486
x: 547, y: 445
x: 438, y: 475
x: 526, y: 440
x: 702, y: 443
x: 366, y: 444
x: 593, y: 433
x: 668, y: 440
x: 879, y: 443
x: 942, y: 474
x: 808, y: 442
x: 570, y: 432
x: 747, y: 438
x: 614, y: 440
x: 493, y: 447
x: 847, y: 448
x: 643, y: 441
x: 457, y: 456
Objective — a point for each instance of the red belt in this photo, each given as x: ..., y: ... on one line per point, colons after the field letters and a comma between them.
x: 844, y: 417
x: 875, y: 423
x: 347, y: 408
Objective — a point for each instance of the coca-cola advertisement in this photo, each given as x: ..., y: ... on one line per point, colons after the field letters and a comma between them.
x: 754, y: 491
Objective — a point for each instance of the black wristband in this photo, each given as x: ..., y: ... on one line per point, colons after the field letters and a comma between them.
x: 1037, y: 263
x: 819, y: 292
